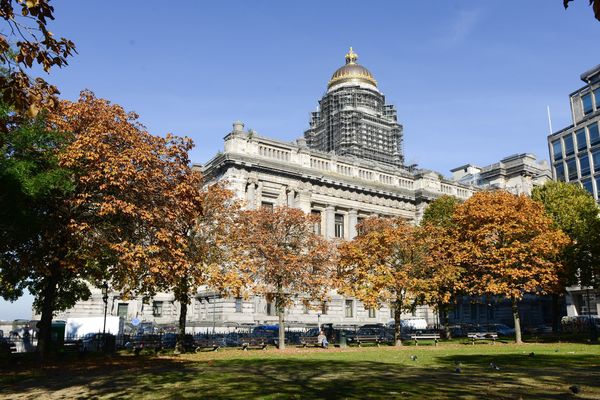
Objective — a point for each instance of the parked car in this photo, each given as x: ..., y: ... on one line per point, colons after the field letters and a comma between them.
x: 98, y: 342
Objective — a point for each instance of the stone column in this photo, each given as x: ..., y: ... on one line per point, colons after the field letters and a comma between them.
x: 251, y: 195
x: 352, y: 221
x: 303, y: 201
x: 291, y: 200
x: 329, y: 222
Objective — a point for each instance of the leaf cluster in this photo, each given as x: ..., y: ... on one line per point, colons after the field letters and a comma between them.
x: 27, y: 33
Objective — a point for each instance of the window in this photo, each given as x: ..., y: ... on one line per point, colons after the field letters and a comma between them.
x: 270, y: 308
x: 473, y: 311
x: 598, y: 183
x: 266, y: 205
x: 157, y: 308
x: 556, y: 149
x: 122, y: 310
x: 324, y: 308
x: 306, y: 308
x: 359, y: 228
x: 581, y: 139
x: 584, y: 165
x: 594, y: 134
x: 339, y: 226
x: 596, y: 159
x: 560, y: 172
x: 316, y: 214
x: 597, y: 97
x: 239, y: 305
x: 349, y: 309
x: 572, y: 170
x: 587, y: 185
x: 371, y: 313
x: 569, y: 149
x: 586, y: 100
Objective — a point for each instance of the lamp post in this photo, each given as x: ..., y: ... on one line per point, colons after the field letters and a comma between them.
x: 105, y: 300
x: 319, y: 322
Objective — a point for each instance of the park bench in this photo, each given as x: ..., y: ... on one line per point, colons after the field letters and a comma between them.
x: 254, y: 343
x: 476, y: 336
x: 206, y: 344
x: 360, y: 340
x: 312, y: 341
x: 425, y: 336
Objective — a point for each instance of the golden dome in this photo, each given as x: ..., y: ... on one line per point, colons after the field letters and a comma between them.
x: 352, y: 72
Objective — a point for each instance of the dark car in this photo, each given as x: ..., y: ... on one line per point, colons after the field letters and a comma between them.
x: 7, y: 346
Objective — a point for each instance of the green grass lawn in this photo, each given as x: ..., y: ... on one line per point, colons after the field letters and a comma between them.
x: 367, y: 373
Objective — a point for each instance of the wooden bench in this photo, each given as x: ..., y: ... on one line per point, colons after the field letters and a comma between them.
x: 476, y: 336
x: 312, y: 341
x: 202, y: 344
x: 425, y: 336
x: 254, y: 343
x: 360, y: 340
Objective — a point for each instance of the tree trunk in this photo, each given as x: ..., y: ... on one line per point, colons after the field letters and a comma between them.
x: 183, y: 303
x: 517, y: 318
x: 47, y: 311
x: 398, y: 322
x: 444, y: 317
x: 280, y: 311
x: 555, y: 313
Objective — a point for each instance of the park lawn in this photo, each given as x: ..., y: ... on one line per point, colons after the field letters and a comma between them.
x: 365, y: 373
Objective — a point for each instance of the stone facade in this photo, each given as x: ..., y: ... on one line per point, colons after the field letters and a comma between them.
x: 356, y: 177
x: 518, y: 174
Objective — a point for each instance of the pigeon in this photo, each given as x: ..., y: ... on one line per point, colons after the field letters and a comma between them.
x: 494, y: 366
x: 414, y: 358
x: 458, y: 370
x: 531, y: 354
x: 575, y: 389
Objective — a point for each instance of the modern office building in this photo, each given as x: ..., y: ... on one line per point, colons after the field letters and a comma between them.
x: 348, y: 166
x: 575, y: 150
x: 575, y: 157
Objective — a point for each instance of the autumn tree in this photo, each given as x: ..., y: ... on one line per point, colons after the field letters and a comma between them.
x: 445, y: 271
x: 117, y: 219
x: 510, y: 247
x: 385, y: 264
x: 595, y: 4
x: 209, y: 247
x: 282, y: 258
x: 576, y: 213
x: 25, y: 42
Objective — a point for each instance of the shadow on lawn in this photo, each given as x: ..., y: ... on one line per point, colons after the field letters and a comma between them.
x: 520, y: 376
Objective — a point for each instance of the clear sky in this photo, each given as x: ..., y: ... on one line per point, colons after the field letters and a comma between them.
x: 471, y: 79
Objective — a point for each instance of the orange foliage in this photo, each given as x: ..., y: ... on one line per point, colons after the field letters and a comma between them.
x: 135, y: 195
x: 509, y: 245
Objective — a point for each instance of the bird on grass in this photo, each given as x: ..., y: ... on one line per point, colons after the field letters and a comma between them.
x: 414, y: 358
x: 494, y: 366
x: 458, y: 368
x: 531, y: 354
x: 575, y: 389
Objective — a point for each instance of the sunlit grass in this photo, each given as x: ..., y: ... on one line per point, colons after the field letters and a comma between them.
x: 316, y: 373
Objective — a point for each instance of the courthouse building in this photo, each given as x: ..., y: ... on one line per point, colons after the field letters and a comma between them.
x: 348, y: 166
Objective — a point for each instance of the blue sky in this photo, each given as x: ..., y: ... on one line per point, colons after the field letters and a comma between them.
x: 471, y: 79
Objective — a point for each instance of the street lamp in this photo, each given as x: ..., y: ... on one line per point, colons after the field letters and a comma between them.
x: 105, y: 300
x: 319, y: 322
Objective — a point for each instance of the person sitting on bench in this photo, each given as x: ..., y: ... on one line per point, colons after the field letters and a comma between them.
x: 322, y: 340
